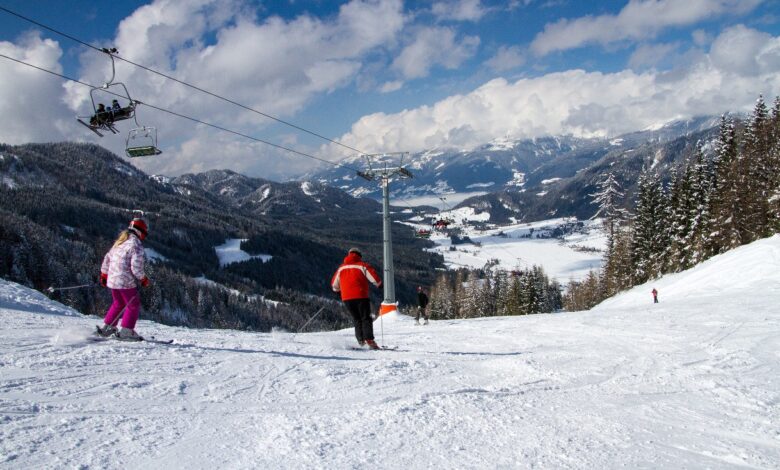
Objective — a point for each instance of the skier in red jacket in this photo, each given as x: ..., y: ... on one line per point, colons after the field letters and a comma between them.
x: 351, y: 279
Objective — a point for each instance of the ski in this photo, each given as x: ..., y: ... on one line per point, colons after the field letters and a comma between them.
x: 148, y: 339
x: 381, y: 348
x: 152, y: 339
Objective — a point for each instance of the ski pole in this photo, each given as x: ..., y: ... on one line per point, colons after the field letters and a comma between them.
x: 310, y: 320
x: 305, y: 324
x: 382, y: 327
x: 52, y: 289
x: 122, y: 312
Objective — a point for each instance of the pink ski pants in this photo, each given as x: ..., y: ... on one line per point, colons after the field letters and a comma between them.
x: 127, y: 300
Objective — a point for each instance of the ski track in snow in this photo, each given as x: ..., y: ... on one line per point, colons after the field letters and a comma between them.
x: 691, y: 382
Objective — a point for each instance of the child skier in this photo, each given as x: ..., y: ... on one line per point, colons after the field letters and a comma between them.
x: 122, y: 268
x: 351, y: 279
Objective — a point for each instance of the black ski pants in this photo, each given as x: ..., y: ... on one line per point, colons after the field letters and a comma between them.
x: 360, y: 309
x: 421, y: 311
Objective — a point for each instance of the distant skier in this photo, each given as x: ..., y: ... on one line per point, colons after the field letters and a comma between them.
x: 121, y: 271
x: 422, y: 303
x: 351, y: 279
x: 655, y: 296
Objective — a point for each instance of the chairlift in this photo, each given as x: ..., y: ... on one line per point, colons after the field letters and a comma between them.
x: 441, y: 224
x: 104, y: 117
x: 422, y: 233
x: 142, y: 142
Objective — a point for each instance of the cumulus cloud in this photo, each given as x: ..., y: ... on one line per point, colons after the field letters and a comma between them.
x: 432, y: 47
x: 462, y: 10
x: 747, y: 52
x: 640, y: 19
x: 27, y: 95
x: 506, y: 58
x: 273, y: 64
x: 585, y: 103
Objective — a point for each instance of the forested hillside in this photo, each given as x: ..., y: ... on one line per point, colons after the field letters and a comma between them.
x: 62, y: 205
x: 726, y: 195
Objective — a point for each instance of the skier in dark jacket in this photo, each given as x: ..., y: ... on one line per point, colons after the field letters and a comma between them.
x: 422, y: 303
x: 351, y: 279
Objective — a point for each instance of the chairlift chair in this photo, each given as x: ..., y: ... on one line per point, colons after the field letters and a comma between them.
x: 441, y: 224
x: 142, y: 142
x: 422, y: 233
x: 104, y: 120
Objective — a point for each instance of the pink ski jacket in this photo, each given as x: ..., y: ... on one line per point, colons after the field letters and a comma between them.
x: 124, y: 264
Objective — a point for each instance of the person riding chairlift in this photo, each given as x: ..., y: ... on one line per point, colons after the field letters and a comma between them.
x: 100, y: 116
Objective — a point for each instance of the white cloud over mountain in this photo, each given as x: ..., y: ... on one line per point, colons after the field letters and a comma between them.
x: 285, y: 66
x: 741, y: 64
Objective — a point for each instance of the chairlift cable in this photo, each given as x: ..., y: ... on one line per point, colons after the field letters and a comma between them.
x: 215, y: 126
x: 149, y: 69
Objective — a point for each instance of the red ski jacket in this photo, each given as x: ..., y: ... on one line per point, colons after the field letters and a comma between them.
x: 352, y: 278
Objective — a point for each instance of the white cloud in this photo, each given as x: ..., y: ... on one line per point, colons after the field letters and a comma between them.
x: 207, y: 149
x: 506, y: 58
x: 272, y: 64
x: 640, y: 19
x: 389, y: 87
x: 650, y: 55
x: 585, y: 103
x: 461, y: 10
x: 745, y: 51
x: 31, y: 107
x: 432, y: 47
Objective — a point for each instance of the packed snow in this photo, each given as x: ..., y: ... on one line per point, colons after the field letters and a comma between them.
x: 231, y: 252
x: 692, y: 382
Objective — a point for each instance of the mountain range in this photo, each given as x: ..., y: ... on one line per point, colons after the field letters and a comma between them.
x: 534, y: 179
x: 61, y: 205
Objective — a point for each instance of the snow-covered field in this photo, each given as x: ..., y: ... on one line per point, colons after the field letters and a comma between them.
x: 691, y: 382
x: 231, y: 252
x: 518, y: 246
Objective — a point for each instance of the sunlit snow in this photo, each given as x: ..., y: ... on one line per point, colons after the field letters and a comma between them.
x: 692, y: 382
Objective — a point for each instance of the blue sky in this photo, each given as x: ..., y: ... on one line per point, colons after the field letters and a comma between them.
x: 387, y: 75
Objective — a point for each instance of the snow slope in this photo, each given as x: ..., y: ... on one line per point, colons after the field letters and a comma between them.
x: 231, y: 252
x: 691, y: 382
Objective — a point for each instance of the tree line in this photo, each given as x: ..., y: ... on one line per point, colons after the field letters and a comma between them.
x: 493, y: 292
x: 725, y: 196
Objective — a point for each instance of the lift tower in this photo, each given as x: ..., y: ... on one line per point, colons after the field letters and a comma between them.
x: 389, y: 303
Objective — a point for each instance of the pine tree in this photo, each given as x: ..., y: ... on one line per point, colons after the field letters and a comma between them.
x: 441, y: 304
x: 699, y: 186
x: 773, y: 217
x: 757, y: 168
x: 725, y: 234
x: 650, y: 236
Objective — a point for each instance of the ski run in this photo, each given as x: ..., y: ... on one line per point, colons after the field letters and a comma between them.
x: 690, y: 382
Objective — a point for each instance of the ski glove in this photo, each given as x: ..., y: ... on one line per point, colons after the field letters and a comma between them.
x: 145, y: 282
x: 103, y: 279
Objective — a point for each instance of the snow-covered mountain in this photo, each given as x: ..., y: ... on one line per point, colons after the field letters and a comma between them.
x: 534, y: 179
x: 691, y: 382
